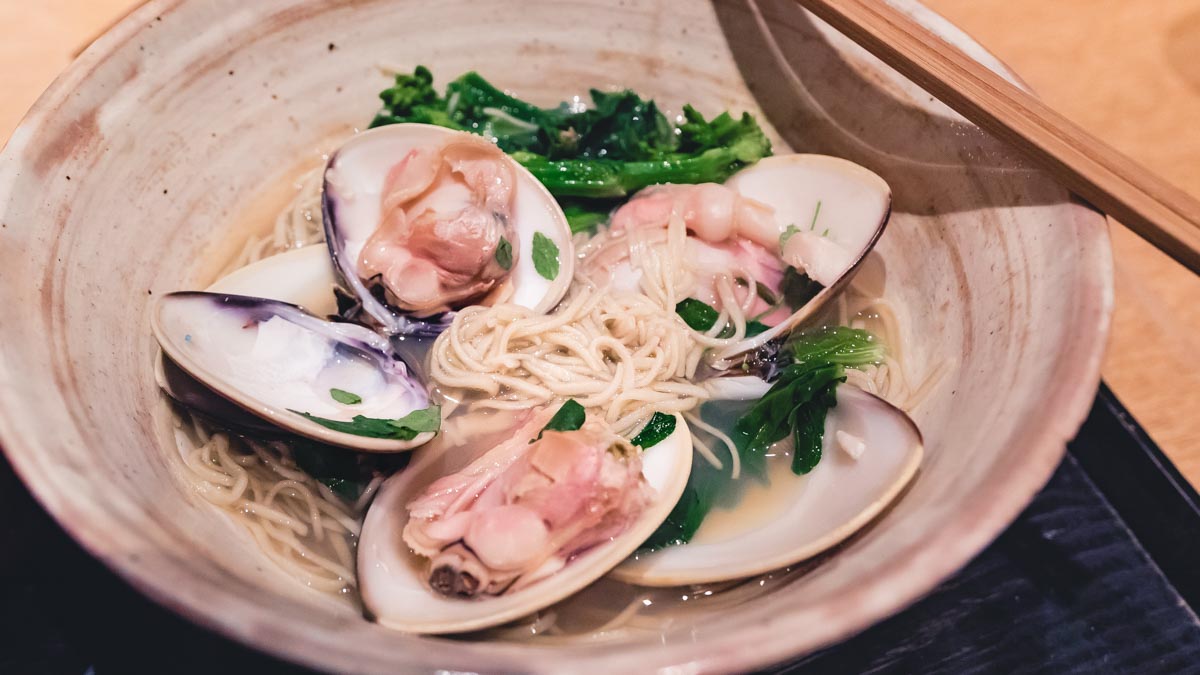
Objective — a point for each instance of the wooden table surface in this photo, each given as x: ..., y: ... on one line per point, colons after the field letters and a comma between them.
x: 1127, y: 70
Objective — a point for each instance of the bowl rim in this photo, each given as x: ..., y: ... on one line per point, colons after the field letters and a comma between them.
x: 917, y: 573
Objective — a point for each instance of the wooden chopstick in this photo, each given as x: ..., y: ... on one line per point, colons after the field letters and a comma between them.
x: 1157, y: 211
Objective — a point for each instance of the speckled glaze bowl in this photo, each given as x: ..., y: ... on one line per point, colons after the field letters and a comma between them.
x: 141, y: 167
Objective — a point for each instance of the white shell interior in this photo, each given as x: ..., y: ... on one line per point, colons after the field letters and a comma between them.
x: 357, y: 174
x: 854, y: 206
x: 302, y: 277
x: 391, y: 577
x: 282, y: 365
x: 838, y: 497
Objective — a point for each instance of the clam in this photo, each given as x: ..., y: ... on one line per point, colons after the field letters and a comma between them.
x: 459, y: 583
x: 829, y: 213
x: 421, y: 220
x: 871, y: 452
x: 299, y: 372
x: 302, y: 276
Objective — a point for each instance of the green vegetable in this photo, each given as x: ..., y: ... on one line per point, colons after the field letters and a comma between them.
x: 798, y: 288
x: 404, y: 429
x: 849, y: 347
x: 756, y: 327
x: 705, y: 486
x: 698, y: 315
x: 568, y: 418
x: 504, y: 254
x: 816, y: 213
x: 796, y: 404
x: 659, y: 427
x: 545, y: 256
x: 583, y: 215
x: 701, y: 317
x: 345, y: 397
x: 618, y: 145
x: 337, y: 468
x: 787, y: 234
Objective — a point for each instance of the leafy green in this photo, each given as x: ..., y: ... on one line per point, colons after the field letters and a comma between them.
x: 545, y: 256
x: 797, y: 288
x: 697, y: 314
x: 404, y: 429
x: 568, y: 418
x: 849, y: 347
x: 337, y: 468
x: 345, y: 397
x: 756, y: 327
x: 796, y: 404
x: 705, y: 485
x: 786, y: 235
x: 619, y: 144
x: 504, y: 256
x: 583, y: 215
x: 658, y: 428
x: 701, y: 317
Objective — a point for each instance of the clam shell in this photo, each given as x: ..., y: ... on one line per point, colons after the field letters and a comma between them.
x: 394, y: 588
x: 839, y: 497
x: 354, y: 179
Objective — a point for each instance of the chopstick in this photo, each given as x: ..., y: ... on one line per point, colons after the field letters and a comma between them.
x: 1160, y: 213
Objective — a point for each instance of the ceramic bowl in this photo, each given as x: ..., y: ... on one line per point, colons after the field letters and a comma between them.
x: 151, y: 157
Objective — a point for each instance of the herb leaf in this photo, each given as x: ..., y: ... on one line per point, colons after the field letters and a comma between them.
x: 345, y: 397
x: 504, y: 254
x: 658, y: 428
x: 755, y: 328
x: 404, y: 429
x: 568, y: 418
x: 787, y: 234
x: 545, y: 256
x: 698, y: 315
x: 701, y: 317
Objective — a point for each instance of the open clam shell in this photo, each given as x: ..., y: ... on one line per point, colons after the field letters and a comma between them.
x: 396, y: 593
x: 277, y: 360
x: 355, y: 180
x: 839, y: 497
x: 836, y: 204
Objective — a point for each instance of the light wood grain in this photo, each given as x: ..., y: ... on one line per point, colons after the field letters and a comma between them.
x: 1128, y: 71
x: 1159, y: 212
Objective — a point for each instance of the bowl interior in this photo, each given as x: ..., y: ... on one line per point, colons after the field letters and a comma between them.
x: 177, y: 133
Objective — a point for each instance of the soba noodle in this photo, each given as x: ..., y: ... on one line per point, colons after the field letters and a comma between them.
x: 620, y: 353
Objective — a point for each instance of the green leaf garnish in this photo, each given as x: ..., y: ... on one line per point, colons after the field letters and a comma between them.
x: 569, y: 417
x: 504, y: 254
x: 545, y: 256
x: 816, y: 213
x: 701, y: 317
x: 404, y: 429
x: 345, y: 397
x: 698, y: 315
x: 755, y: 328
x: 786, y: 235
x: 659, y: 427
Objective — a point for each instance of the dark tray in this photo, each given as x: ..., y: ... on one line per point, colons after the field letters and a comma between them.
x: 1098, y: 575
